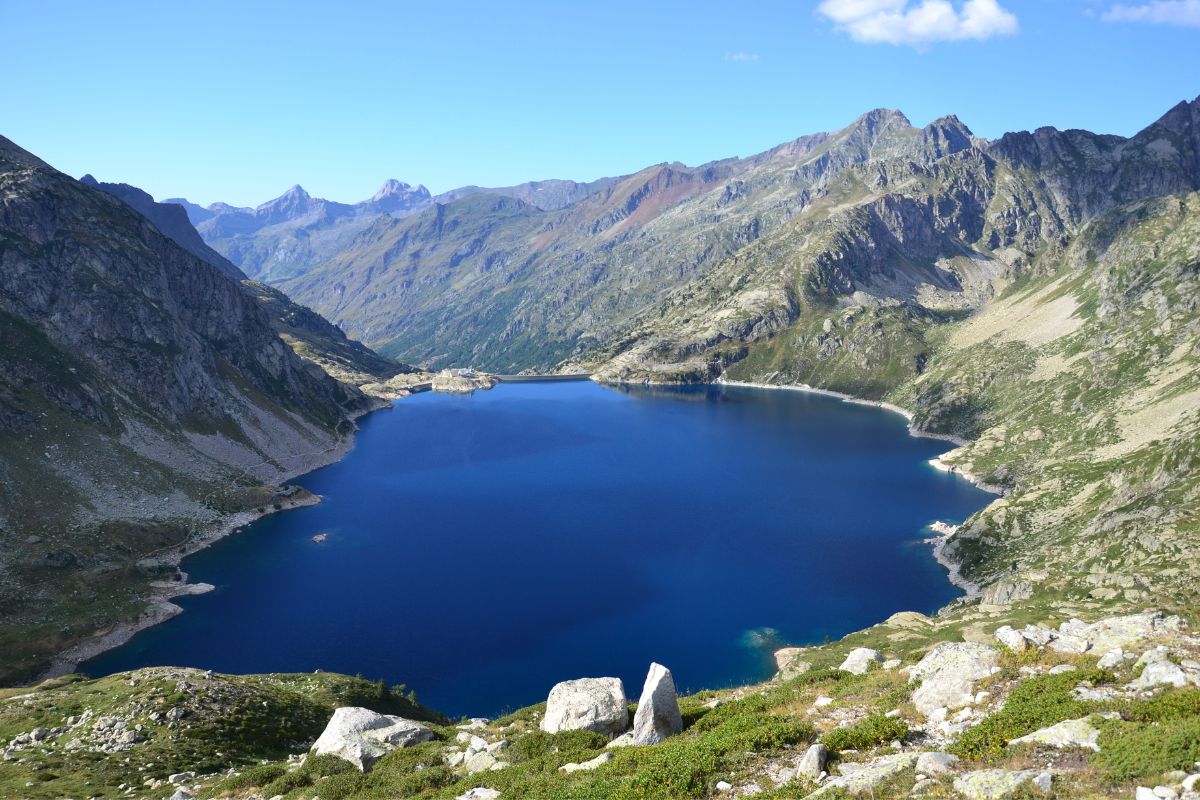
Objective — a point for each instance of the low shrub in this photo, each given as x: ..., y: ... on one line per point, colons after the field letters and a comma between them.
x: 1144, y: 750
x: 1031, y: 705
x: 866, y: 733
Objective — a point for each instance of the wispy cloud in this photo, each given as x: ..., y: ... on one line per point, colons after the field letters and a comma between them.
x: 919, y: 24
x: 741, y: 58
x: 1184, y: 13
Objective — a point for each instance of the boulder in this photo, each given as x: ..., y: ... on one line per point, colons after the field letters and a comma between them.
x: 657, y: 716
x: 481, y: 762
x: 948, y: 673
x: 1161, y: 673
x: 1012, y: 639
x: 813, y: 762
x: 1070, y: 733
x: 937, y: 763
x: 860, y: 660
x: 361, y: 736
x: 593, y: 704
x: 993, y: 784
x: 591, y: 764
x: 860, y: 778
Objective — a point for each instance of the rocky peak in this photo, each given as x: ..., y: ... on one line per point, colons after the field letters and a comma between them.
x: 947, y: 135
x: 293, y: 203
x: 397, y: 195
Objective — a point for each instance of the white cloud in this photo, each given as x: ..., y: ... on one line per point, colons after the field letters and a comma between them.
x: 918, y: 24
x: 741, y: 58
x: 1165, y: 12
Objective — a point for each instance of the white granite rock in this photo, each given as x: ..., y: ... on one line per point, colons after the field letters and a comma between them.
x: 948, y: 673
x: 594, y: 704
x: 657, y: 716
x: 860, y: 660
x: 1069, y: 733
x: 362, y: 736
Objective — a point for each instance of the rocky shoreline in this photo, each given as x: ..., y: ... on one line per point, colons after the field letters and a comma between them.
x: 159, y: 607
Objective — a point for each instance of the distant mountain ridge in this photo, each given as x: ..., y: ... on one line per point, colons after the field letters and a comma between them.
x: 289, y: 235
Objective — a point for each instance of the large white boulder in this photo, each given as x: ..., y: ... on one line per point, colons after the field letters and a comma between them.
x: 948, y: 673
x: 362, y: 736
x: 657, y: 716
x: 593, y: 704
x: 860, y: 660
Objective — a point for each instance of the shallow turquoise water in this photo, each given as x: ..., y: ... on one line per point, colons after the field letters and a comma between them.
x: 482, y: 548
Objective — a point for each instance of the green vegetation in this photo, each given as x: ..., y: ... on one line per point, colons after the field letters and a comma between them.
x: 1033, y: 704
x: 866, y: 734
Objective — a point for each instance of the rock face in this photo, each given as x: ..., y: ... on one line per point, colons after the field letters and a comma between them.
x: 593, y: 704
x: 362, y: 736
x: 860, y: 660
x: 657, y: 714
x: 948, y: 673
x: 144, y: 380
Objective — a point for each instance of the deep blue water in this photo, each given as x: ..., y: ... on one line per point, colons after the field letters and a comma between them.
x: 482, y: 548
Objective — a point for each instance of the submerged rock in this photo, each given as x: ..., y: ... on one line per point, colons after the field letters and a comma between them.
x: 593, y: 704
x: 657, y: 716
x: 362, y: 736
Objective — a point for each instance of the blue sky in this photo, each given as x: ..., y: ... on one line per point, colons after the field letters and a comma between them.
x: 238, y: 101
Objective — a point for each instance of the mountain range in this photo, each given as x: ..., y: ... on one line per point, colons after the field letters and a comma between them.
x: 1034, y: 300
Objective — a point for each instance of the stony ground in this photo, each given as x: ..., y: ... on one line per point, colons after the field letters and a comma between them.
x: 975, y: 705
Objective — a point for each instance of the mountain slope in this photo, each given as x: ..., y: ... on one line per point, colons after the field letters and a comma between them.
x: 506, y: 286
x: 309, y: 334
x: 143, y: 396
x: 288, y: 235
x: 1035, y: 297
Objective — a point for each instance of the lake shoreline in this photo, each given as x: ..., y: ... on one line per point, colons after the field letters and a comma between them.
x: 953, y: 568
x: 159, y: 607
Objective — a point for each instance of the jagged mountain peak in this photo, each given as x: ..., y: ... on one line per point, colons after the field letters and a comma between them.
x: 877, y: 117
x: 390, y: 187
x: 1183, y: 118
x: 296, y: 193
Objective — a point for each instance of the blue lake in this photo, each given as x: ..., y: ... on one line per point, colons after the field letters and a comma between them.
x: 482, y: 548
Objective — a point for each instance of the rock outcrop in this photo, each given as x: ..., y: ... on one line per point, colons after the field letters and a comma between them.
x: 948, y: 673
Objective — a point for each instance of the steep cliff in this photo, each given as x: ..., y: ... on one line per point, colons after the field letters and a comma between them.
x: 143, y: 396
